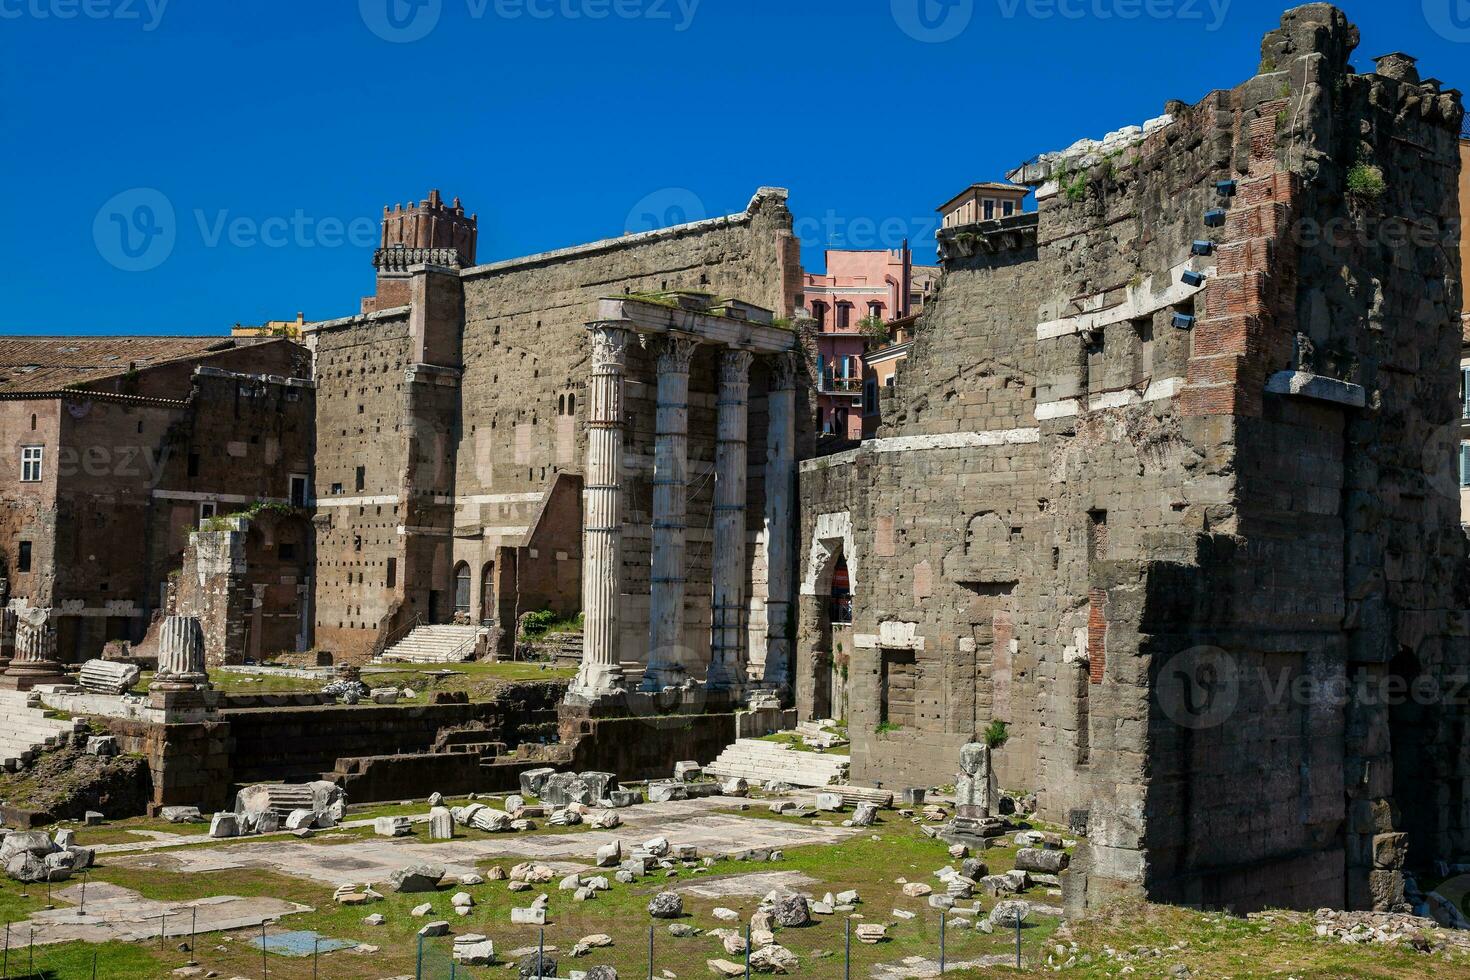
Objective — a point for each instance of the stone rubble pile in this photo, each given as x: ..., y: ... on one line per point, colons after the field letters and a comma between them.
x: 31, y: 856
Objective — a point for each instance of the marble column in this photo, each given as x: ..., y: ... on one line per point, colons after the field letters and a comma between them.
x: 729, y: 604
x: 780, y: 514
x: 180, y: 656
x: 602, y: 532
x: 7, y: 638
x: 670, y: 496
x: 35, y: 652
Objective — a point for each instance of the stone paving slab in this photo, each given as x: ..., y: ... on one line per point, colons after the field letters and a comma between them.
x: 682, y: 822
x: 755, y: 884
x: 120, y: 914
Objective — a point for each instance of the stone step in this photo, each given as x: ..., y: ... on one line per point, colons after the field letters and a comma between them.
x: 434, y: 645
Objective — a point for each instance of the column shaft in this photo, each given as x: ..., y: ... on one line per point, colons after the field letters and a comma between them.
x: 728, y: 637
x: 602, y: 535
x: 780, y: 495
x: 670, y: 497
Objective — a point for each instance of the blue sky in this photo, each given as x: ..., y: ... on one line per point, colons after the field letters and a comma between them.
x: 177, y: 166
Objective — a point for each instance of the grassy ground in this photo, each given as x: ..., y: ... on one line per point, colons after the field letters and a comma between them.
x: 477, y: 678
x: 874, y: 863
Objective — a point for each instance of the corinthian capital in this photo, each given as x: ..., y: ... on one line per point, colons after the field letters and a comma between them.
x: 673, y: 351
x: 735, y: 366
x: 610, y: 343
x: 783, y: 371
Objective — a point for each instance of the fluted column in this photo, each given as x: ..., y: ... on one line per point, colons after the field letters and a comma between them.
x: 602, y: 534
x: 35, y: 652
x: 180, y: 656
x: 670, y: 493
x: 780, y: 494
x: 7, y: 638
x: 728, y: 637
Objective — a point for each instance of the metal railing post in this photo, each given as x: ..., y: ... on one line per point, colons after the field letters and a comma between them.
x: 650, y: 953
x: 747, y: 952
x: 162, y: 925
x: 847, y: 952
x: 5, y: 964
x: 941, y: 943
x: 541, y: 952
x: 265, y: 969
x: 418, y: 969
x: 1018, y: 942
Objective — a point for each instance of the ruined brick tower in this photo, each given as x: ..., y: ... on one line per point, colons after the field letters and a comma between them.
x: 1166, y: 485
x: 429, y: 233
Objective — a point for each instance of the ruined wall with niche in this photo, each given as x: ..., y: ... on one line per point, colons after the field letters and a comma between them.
x: 1077, y: 513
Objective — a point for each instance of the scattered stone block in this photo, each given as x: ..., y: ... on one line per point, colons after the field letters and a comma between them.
x: 420, y: 911
x: 94, y: 819
x: 181, y: 814
x: 687, y: 772
x: 417, y: 878
x: 102, y: 745
x: 392, y: 827
x: 829, y: 802
x: 774, y: 959
x: 533, y: 781
x: 111, y: 677
x: 438, y: 928
x: 871, y: 932
x: 533, y: 916
x: 1009, y: 913
x: 666, y: 905
x: 376, y: 919
x: 725, y: 968
x: 791, y: 911
x: 666, y: 792
x: 1046, y: 861
x: 441, y: 823
x: 224, y: 824
x: 610, y: 855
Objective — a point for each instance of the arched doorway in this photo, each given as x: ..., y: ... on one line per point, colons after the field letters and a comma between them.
x: 461, y: 590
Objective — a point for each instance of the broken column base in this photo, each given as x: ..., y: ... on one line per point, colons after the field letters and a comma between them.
x: 975, y: 833
x: 24, y: 677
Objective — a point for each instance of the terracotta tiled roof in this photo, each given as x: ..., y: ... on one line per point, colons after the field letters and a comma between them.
x: 53, y: 363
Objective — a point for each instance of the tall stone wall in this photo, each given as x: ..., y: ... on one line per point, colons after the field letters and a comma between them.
x: 1147, y: 502
x: 467, y: 405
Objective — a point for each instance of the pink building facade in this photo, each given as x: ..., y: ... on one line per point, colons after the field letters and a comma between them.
x: 852, y: 302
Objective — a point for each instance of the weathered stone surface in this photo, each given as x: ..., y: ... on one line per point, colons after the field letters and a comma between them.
x: 441, y: 823
x: 666, y: 905
x: 224, y: 825
x: 392, y: 826
x: 774, y: 959
x: 418, y: 878
x: 791, y: 911
x: 1035, y: 859
x: 534, y: 780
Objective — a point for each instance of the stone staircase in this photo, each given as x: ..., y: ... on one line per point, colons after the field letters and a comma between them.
x: 759, y: 761
x: 435, y: 645
x: 25, y: 731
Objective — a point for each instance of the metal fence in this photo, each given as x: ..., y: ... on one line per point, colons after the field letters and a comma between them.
x: 943, y: 948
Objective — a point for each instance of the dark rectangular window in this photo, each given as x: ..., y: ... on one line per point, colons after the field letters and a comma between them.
x: 392, y: 572
x: 1097, y: 535
x: 288, y: 551
x: 361, y: 480
x: 298, y: 491
x: 193, y: 464
x: 23, y: 560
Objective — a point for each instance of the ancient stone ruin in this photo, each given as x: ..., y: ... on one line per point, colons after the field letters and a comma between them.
x: 1165, y: 466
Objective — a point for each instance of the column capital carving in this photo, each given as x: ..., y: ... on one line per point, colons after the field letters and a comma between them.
x: 783, y: 371
x: 610, y: 339
x: 735, y: 366
x: 674, y: 352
